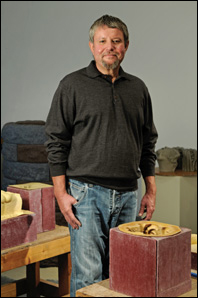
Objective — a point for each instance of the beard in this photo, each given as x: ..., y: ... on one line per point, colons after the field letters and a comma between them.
x: 110, y: 66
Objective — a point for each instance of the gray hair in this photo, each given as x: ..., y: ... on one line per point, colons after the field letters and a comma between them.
x: 111, y: 22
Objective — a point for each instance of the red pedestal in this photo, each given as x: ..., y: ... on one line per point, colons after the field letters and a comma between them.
x: 150, y: 266
x: 18, y: 230
x: 48, y: 208
x: 42, y: 202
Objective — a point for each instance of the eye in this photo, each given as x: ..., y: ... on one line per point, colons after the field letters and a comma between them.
x: 116, y: 40
x: 102, y: 41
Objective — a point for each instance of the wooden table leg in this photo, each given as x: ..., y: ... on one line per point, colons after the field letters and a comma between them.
x: 64, y: 273
x: 33, y: 279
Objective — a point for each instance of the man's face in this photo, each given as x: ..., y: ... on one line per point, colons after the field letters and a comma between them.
x: 108, y: 48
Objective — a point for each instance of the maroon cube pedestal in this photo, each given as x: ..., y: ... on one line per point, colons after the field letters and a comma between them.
x: 48, y: 208
x: 18, y: 230
x: 40, y: 200
x: 150, y: 266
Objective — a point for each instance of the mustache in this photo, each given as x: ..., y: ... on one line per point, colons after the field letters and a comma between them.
x: 110, y: 53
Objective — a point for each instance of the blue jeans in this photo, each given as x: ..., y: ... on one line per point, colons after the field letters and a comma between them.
x: 98, y: 209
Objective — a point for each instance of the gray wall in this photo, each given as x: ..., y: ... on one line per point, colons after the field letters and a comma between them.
x: 43, y: 41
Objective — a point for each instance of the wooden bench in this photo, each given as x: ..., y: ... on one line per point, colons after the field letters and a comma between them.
x: 48, y: 244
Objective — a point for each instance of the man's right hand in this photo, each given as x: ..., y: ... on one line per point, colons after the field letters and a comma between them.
x: 65, y: 204
x: 65, y: 201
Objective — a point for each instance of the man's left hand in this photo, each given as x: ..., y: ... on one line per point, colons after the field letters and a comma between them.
x: 148, y: 203
x: 148, y: 200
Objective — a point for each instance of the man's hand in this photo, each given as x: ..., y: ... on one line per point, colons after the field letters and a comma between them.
x: 148, y: 203
x: 65, y: 201
x: 148, y: 200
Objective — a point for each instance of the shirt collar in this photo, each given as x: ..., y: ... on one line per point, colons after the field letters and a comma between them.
x: 93, y: 72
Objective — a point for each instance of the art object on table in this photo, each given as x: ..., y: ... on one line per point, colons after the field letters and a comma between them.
x: 167, y: 159
x: 150, y: 266
x: 149, y: 229
x: 17, y: 225
x: 177, y: 158
x: 11, y: 205
x: 39, y: 198
x: 188, y: 159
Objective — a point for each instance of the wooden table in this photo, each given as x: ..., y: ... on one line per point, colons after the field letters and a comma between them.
x: 101, y: 289
x: 176, y: 173
x: 48, y: 244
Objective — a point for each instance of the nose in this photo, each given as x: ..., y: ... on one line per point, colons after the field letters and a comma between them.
x: 110, y: 45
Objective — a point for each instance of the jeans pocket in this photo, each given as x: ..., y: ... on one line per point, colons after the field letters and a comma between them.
x: 78, y: 192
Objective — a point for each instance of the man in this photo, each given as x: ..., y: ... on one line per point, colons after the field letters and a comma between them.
x: 101, y: 135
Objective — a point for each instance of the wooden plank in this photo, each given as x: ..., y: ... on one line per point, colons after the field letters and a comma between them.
x: 101, y: 289
x: 14, y: 289
x: 34, y: 253
x: 9, y: 290
x: 193, y: 292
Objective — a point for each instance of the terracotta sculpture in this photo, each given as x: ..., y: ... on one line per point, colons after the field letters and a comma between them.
x: 32, y: 185
x: 149, y: 228
x: 11, y: 205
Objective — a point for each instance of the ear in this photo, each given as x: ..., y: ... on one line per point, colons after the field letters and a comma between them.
x: 91, y: 45
x: 127, y: 45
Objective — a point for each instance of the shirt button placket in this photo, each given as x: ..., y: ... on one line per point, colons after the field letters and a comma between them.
x: 115, y: 97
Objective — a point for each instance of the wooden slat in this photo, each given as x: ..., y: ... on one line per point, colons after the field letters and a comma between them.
x: 9, y: 290
x: 34, y: 253
x: 14, y: 289
x: 101, y: 289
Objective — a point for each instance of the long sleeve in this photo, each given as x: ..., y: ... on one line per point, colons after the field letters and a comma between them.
x: 150, y: 135
x: 59, y: 131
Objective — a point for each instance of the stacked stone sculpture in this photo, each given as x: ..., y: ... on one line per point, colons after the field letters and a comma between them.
x: 177, y: 158
x: 24, y: 153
